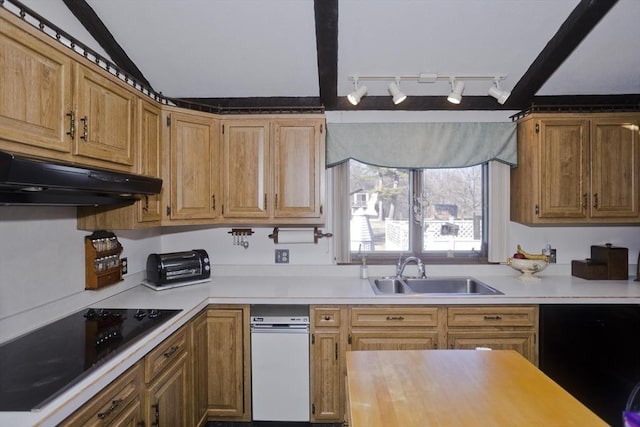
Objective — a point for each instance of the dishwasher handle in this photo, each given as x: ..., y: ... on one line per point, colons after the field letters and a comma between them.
x: 280, y: 328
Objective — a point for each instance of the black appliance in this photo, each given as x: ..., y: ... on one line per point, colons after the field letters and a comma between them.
x: 593, y: 352
x: 27, y: 181
x: 40, y: 365
x: 175, y: 267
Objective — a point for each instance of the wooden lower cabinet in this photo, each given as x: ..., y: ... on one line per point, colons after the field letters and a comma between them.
x: 396, y: 328
x: 327, y: 362
x: 406, y: 327
x: 494, y: 327
x: 168, y: 394
x: 200, y: 368
x: 168, y: 398
x: 229, y: 365
x: 117, y: 405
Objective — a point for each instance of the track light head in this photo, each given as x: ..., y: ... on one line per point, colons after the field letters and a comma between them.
x: 394, y: 90
x: 456, y: 93
x: 355, y: 96
x: 499, y: 94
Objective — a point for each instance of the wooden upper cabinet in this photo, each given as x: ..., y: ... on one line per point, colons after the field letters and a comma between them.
x: 35, y: 93
x: 273, y: 170
x: 615, y: 165
x: 298, y: 168
x: 246, y: 168
x: 194, y: 166
x: 577, y: 169
x: 105, y: 119
x: 563, y: 146
x: 149, y: 158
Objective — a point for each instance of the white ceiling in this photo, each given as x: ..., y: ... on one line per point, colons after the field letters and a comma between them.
x: 267, y: 48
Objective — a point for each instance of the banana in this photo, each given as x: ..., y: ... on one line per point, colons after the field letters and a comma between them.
x: 542, y: 257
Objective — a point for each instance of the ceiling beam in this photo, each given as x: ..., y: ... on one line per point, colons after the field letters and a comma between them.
x: 574, y: 29
x: 326, y: 17
x: 94, y: 25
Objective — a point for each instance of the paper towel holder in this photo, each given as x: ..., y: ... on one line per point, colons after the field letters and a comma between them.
x: 317, y: 234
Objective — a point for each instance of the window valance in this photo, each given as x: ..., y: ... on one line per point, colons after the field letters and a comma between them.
x: 422, y: 145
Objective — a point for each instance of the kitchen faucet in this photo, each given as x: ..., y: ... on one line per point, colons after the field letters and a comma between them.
x: 402, y: 264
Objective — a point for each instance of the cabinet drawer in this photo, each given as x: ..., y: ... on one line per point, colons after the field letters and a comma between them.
x: 394, y: 340
x: 325, y: 317
x: 492, y: 316
x: 109, y: 404
x: 164, y: 354
x: 394, y: 316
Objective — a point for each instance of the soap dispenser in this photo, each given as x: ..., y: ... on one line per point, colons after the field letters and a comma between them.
x: 364, y: 274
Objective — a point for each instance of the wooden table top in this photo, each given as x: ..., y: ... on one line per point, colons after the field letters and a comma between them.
x: 438, y: 388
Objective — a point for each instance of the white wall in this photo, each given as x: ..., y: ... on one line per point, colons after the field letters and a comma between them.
x: 42, y: 255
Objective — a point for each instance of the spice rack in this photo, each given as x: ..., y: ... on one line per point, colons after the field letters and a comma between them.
x: 103, y: 265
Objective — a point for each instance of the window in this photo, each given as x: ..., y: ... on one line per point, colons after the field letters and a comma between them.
x: 437, y: 214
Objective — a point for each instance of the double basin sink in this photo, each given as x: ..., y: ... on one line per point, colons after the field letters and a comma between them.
x: 395, y: 285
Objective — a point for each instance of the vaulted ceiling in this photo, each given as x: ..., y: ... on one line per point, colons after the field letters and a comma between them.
x: 252, y: 53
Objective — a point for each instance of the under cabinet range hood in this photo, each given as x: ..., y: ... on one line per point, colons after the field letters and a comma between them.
x: 27, y: 181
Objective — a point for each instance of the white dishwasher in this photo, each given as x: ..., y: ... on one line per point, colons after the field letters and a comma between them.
x: 280, y: 362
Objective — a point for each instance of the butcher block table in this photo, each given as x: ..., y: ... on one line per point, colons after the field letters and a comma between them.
x: 447, y: 388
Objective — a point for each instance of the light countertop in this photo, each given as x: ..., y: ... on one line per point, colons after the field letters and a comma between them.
x: 296, y: 285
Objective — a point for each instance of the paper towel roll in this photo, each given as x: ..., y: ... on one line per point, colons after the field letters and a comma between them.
x: 296, y: 235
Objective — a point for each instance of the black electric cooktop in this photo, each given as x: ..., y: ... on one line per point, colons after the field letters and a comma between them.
x: 40, y: 365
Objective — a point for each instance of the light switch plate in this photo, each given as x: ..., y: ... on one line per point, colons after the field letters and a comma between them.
x: 282, y: 256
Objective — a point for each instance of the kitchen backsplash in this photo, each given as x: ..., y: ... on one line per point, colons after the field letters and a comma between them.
x: 42, y: 253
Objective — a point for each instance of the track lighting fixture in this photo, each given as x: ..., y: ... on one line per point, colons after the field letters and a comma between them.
x: 457, y: 82
x: 497, y: 93
x: 457, y: 86
x: 355, y: 96
x: 394, y: 90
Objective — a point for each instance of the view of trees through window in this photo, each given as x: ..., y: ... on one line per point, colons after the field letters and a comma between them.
x: 442, y: 209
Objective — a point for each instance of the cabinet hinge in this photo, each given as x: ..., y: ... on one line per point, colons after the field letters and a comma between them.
x: 168, y: 210
x: 537, y: 210
x: 313, y: 339
x: 168, y: 120
x: 320, y: 209
x: 537, y: 127
x: 313, y: 408
x: 349, y: 339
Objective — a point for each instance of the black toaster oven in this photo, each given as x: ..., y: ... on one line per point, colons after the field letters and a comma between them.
x: 175, y: 267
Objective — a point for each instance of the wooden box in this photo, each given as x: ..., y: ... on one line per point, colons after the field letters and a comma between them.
x: 616, y: 259
x: 588, y: 270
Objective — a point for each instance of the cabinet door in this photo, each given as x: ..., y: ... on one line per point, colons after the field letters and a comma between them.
x: 194, y: 173
x: 614, y: 168
x: 35, y: 92
x: 326, y: 376
x: 522, y: 342
x: 563, y: 168
x: 105, y: 122
x: 396, y: 339
x: 200, y: 370
x: 228, y: 389
x: 299, y: 160
x: 246, y: 169
x: 149, y: 158
x: 168, y: 398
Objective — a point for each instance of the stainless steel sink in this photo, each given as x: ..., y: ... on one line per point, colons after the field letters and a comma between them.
x: 431, y: 285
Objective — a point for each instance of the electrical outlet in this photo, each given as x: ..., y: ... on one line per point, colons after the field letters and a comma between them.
x: 124, y: 265
x: 282, y: 256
